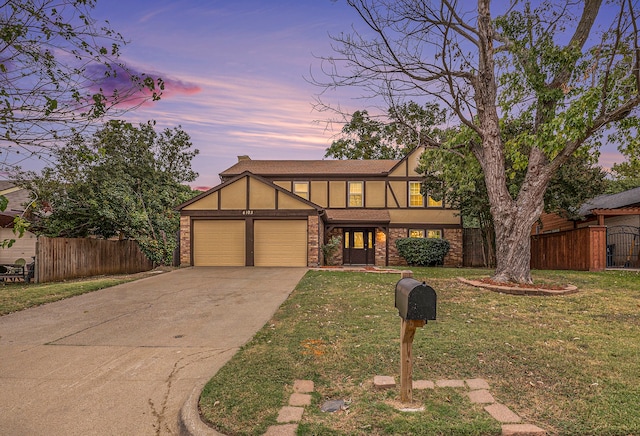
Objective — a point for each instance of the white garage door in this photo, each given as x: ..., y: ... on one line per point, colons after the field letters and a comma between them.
x: 219, y: 243
x: 280, y: 243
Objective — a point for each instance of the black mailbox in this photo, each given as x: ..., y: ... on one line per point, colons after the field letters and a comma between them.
x: 415, y: 300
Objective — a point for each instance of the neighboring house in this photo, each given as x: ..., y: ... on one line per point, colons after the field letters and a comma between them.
x: 619, y: 213
x: 280, y: 212
x: 25, y: 247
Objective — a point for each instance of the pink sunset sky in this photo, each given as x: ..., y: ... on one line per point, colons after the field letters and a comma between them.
x: 237, y: 74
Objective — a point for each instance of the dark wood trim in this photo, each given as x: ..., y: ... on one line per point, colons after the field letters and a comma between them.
x: 393, y: 194
x: 247, y: 194
x: 386, y: 197
x: 339, y: 178
x: 256, y: 213
x: 328, y: 194
x: 249, y: 242
x: 277, y: 205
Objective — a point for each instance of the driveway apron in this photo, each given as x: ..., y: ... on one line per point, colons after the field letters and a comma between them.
x: 123, y: 360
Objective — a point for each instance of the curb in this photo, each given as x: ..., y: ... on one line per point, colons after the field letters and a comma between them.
x: 189, y: 422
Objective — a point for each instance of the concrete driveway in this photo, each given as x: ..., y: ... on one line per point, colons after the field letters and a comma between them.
x: 122, y: 361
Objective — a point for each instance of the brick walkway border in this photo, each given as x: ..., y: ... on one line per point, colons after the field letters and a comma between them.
x: 290, y: 415
x: 478, y: 392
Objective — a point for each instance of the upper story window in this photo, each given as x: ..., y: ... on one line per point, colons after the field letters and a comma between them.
x: 301, y: 189
x: 416, y: 199
x: 356, y: 190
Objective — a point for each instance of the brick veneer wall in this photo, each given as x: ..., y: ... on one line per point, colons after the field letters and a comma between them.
x: 381, y: 248
x: 185, y: 241
x: 314, y: 253
x: 454, y: 256
x: 394, y: 257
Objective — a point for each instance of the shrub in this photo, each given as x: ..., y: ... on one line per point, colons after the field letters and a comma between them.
x: 330, y: 249
x: 423, y: 251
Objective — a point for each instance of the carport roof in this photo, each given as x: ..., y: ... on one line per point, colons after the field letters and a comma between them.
x: 625, y: 199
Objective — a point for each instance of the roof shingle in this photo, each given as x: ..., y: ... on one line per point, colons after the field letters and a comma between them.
x: 310, y: 167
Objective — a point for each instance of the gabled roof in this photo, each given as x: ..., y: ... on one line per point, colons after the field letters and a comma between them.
x: 273, y: 168
x: 620, y: 200
x: 253, y: 176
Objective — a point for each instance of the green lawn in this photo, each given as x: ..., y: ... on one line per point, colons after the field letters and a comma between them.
x: 568, y: 364
x: 19, y: 295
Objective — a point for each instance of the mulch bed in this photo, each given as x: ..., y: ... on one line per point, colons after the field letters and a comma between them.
x: 520, y: 288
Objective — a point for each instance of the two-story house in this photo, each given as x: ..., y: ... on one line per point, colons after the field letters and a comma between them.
x: 280, y: 212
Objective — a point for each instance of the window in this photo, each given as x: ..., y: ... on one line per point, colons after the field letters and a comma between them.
x: 421, y: 233
x: 355, y: 194
x: 416, y: 199
x: 415, y: 233
x: 358, y: 240
x: 434, y: 234
x: 301, y: 189
x: 432, y: 203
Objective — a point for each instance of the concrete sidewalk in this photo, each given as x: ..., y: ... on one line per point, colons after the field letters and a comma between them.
x: 125, y: 359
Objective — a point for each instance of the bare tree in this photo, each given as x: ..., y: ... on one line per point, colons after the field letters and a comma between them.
x: 59, y: 72
x: 549, y: 64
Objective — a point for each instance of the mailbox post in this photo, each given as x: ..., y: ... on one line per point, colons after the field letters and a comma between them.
x: 416, y: 303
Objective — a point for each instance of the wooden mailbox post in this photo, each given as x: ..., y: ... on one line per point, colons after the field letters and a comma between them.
x: 407, y: 332
x: 416, y: 303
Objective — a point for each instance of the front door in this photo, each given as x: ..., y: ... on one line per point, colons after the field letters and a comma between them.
x: 359, y: 247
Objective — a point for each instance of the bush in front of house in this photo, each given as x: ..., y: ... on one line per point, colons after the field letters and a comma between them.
x: 423, y: 251
x: 330, y: 249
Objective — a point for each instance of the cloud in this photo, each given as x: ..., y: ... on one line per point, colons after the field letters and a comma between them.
x: 128, y: 83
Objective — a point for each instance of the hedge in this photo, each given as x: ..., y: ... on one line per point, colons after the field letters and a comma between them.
x: 423, y: 251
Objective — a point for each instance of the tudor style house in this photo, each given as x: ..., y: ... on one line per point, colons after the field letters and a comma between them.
x: 280, y: 212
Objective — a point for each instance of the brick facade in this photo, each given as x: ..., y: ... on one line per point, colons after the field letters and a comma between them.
x: 185, y: 241
x: 314, y: 254
x: 454, y: 256
x: 394, y: 257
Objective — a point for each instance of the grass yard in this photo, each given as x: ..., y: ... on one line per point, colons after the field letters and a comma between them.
x: 19, y: 295
x: 569, y: 364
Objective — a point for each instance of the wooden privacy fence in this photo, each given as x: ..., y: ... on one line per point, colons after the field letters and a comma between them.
x: 66, y: 258
x: 582, y: 249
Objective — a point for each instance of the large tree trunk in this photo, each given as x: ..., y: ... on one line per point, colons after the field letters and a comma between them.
x: 513, y: 245
x: 514, y: 218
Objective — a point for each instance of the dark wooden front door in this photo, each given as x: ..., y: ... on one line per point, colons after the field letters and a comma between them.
x: 359, y: 248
